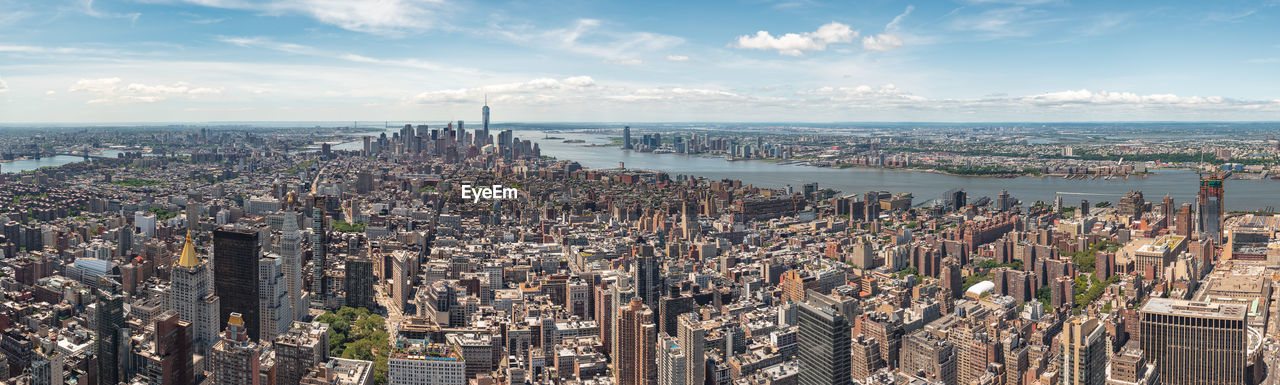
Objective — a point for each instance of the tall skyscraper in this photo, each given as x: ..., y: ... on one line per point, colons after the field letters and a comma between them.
x: 1211, y: 208
x: 638, y: 335
x: 824, y: 346
x: 173, y: 348
x: 1195, y: 342
x: 191, y: 295
x: 235, y: 358
x: 235, y: 266
x: 111, y: 332
x: 626, y: 137
x: 692, y: 339
x: 273, y: 301
x: 1185, y: 226
x: 1084, y: 357
x: 647, y: 274
x: 319, y: 249
x: 291, y: 253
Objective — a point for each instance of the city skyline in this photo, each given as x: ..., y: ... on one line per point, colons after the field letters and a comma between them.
x: 793, y: 61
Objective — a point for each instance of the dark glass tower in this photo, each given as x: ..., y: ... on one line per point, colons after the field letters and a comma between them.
x: 824, y: 346
x: 235, y: 275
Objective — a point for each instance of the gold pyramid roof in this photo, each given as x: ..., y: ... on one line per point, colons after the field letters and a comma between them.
x: 189, y: 258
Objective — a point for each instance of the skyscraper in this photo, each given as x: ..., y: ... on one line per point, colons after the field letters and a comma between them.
x: 647, y: 274
x: 319, y: 249
x: 111, y: 331
x: 1196, y: 342
x: 273, y: 301
x: 1211, y: 208
x: 359, y: 283
x: 235, y: 265
x: 626, y: 137
x: 692, y: 339
x: 291, y: 254
x: 824, y: 346
x: 638, y: 336
x: 1084, y: 358
x: 173, y: 348
x: 235, y: 358
x: 671, y: 362
x: 191, y: 295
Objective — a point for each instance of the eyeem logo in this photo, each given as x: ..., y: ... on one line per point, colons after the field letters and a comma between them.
x: 495, y: 192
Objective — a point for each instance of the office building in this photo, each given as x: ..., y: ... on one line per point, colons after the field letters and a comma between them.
x: 191, y: 295
x: 235, y: 268
x: 303, y: 346
x: 1195, y: 342
x: 692, y: 339
x: 1211, y: 209
x: 419, y: 363
x: 273, y: 301
x: 359, y: 283
x: 824, y: 346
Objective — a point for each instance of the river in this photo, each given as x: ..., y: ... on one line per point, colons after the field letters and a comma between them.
x: 1181, y: 185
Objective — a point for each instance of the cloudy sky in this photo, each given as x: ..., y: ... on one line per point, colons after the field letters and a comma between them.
x: 651, y: 61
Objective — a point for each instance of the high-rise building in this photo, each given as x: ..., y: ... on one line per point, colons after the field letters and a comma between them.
x: 235, y: 359
x: 273, y: 300
x: 692, y: 339
x: 484, y: 123
x: 291, y: 253
x: 638, y: 336
x: 1084, y: 355
x: 1211, y: 207
x: 824, y: 346
x: 191, y: 295
x: 626, y: 137
x: 235, y: 266
x: 110, y: 331
x: 647, y: 275
x: 319, y: 249
x: 359, y: 283
x: 1195, y: 342
x: 173, y: 348
x: 671, y: 362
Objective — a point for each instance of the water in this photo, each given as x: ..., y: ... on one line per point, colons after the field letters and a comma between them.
x: 18, y: 166
x: 1182, y: 185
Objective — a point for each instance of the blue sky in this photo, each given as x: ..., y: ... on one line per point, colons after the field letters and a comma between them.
x: 748, y: 60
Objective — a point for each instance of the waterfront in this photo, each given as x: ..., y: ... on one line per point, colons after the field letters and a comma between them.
x: 1182, y: 185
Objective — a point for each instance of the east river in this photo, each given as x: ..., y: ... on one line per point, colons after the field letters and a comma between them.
x: 1180, y: 184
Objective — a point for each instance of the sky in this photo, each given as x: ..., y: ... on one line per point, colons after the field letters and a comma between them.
x: 639, y: 61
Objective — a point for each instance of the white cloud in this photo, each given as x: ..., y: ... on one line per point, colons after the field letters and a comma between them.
x: 50, y: 93
x: 881, y: 42
x: 625, y: 62
x: 113, y: 91
x: 677, y: 58
x: 86, y: 7
x: 1084, y: 96
x: 793, y: 44
x: 4, y: 87
x: 383, y: 17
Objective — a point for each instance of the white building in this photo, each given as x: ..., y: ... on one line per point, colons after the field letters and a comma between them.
x: 416, y: 363
x: 273, y: 302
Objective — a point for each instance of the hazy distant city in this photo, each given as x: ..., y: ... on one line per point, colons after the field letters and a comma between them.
x: 429, y: 192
